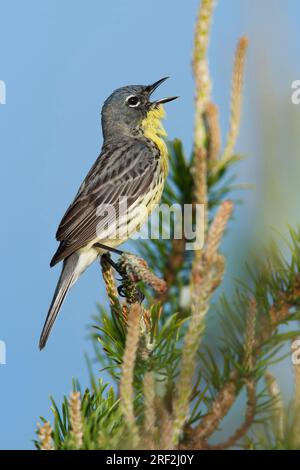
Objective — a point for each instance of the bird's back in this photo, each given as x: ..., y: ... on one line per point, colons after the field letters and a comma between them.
x: 128, y: 168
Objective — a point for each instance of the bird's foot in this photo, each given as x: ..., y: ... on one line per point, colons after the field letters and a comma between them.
x: 128, y: 288
x: 120, y: 270
x: 131, y: 292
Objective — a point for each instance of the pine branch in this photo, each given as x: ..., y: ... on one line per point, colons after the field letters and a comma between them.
x: 202, y: 98
x: 279, y: 311
x: 201, y: 69
x: 236, y: 101
x: 166, y: 427
x: 244, y: 428
x: 149, y: 405
x: 45, y: 436
x: 206, y: 276
x: 278, y: 415
x: 127, y: 376
x: 213, y: 131
x: 250, y: 383
x: 76, y: 420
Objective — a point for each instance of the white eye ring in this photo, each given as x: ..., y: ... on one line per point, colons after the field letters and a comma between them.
x: 133, y: 104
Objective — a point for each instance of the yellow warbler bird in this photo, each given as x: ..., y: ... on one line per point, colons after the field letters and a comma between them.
x: 120, y: 190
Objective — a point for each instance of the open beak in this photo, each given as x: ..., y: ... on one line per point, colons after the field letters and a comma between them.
x: 151, y: 88
x: 166, y: 100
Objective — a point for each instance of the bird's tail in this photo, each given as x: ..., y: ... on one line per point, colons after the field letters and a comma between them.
x: 67, y: 278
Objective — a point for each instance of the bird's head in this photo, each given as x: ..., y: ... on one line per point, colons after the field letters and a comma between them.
x: 128, y: 107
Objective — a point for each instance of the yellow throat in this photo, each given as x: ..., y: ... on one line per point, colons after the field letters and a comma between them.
x: 154, y: 130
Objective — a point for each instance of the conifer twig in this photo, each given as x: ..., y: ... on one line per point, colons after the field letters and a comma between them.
x: 149, y: 406
x: 45, y: 436
x: 127, y: 371
x: 173, y: 265
x: 165, y: 426
x: 250, y: 334
x: 109, y: 280
x: 236, y: 100
x: 244, y: 428
x: 296, y: 404
x: 205, y: 278
x: 166, y: 431
x: 187, y: 367
x: 202, y: 98
x: 297, y: 382
x: 137, y: 270
x: 250, y: 383
x: 76, y: 419
x: 279, y: 413
x: 200, y: 68
x: 218, y: 410
x: 217, y: 230
x: 111, y: 288
x: 226, y: 396
x: 199, y: 171
x: 213, y: 131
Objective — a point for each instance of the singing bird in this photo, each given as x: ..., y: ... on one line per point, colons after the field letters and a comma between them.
x: 119, y: 192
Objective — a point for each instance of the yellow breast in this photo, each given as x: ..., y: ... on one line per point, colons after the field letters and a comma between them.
x: 154, y: 130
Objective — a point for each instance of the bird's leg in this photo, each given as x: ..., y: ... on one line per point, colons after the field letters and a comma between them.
x: 108, y: 248
x: 107, y: 257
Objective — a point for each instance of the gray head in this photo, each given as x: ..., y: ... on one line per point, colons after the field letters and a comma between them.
x: 126, y: 107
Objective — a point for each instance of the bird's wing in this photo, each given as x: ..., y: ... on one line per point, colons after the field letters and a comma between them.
x: 122, y: 171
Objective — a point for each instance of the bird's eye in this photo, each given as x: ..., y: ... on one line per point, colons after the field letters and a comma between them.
x: 133, y: 101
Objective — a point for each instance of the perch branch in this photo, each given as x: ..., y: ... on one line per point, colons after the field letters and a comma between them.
x: 127, y: 371
x: 206, y: 276
x: 76, y: 419
x: 244, y: 428
x: 45, y: 436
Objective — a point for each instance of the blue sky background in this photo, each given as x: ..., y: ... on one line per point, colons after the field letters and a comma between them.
x: 60, y: 60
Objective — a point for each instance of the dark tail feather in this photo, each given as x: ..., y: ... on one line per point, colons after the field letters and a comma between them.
x: 66, y: 280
